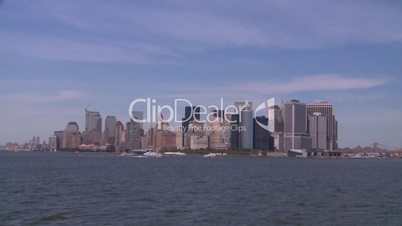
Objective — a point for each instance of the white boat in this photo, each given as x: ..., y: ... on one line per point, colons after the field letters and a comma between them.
x: 153, y: 154
x: 174, y: 153
x: 210, y: 155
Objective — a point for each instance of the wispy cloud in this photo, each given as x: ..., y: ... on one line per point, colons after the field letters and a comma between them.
x: 289, y: 24
x: 145, y: 34
x: 56, y: 48
x: 308, y: 83
x: 36, y: 98
x: 261, y: 89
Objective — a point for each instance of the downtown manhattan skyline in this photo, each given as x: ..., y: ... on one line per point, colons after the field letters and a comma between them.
x: 59, y: 57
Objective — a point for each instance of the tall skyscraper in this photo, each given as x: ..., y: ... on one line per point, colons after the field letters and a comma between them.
x: 318, y: 131
x: 275, y: 124
x: 295, y: 126
x: 326, y: 110
x: 262, y: 138
x: 234, y: 131
x: 93, y: 128
x: 108, y: 134
x: 191, y: 113
x: 246, y: 124
x: 134, y: 131
x: 120, y: 136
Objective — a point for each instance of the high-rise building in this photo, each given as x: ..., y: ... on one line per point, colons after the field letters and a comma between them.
x: 134, y: 131
x: 71, y: 136
x: 295, y: 126
x: 335, y: 142
x: 59, y: 137
x: 196, y: 137
x: 191, y: 113
x: 262, y: 139
x: 275, y: 124
x: 234, y: 131
x: 120, y: 136
x: 219, y: 133
x: 246, y: 124
x: 93, y: 128
x: 164, y: 139
x: 326, y: 110
x: 53, y: 142
x: 318, y: 131
x: 108, y: 134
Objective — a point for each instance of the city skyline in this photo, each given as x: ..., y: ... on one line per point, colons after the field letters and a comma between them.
x: 56, y: 58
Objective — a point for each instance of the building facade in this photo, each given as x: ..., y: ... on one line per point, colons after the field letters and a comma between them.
x: 295, y: 126
x: 327, y: 111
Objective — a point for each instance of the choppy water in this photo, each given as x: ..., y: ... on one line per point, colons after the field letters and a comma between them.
x: 104, y: 189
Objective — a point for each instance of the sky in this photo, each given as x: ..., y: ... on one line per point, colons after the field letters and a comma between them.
x: 59, y: 57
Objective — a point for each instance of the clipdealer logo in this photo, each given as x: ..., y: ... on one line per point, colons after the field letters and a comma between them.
x: 154, y: 111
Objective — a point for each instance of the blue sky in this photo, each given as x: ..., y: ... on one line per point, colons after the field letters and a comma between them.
x: 56, y: 57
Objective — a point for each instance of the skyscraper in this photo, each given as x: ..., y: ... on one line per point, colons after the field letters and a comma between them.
x: 295, y: 126
x: 134, y: 131
x: 219, y: 134
x: 71, y: 136
x: 108, y: 134
x: 93, y: 128
x: 318, y: 131
x: 262, y: 139
x: 234, y: 131
x: 275, y: 124
x: 326, y: 110
x: 191, y: 113
x: 246, y: 124
x: 120, y: 136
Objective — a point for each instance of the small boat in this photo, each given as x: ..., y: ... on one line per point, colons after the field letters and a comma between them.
x: 175, y: 153
x: 153, y: 154
x: 210, y: 155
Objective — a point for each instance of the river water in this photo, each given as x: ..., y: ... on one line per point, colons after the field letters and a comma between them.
x: 106, y: 189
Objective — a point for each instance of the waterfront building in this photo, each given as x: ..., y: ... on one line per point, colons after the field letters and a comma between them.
x: 53, y: 145
x: 59, y: 137
x: 295, y: 126
x: 262, y: 137
x: 318, y: 131
x: 326, y: 110
x: 120, y: 136
x: 195, y: 136
x: 134, y: 131
x: 164, y: 139
x: 109, y: 132
x: 219, y: 132
x: 71, y: 136
x: 246, y: 124
x: 93, y: 128
x: 275, y: 124
x: 191, y: 113
x: 234, y: 131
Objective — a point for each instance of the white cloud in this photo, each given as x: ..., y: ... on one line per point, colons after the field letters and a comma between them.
x: 295, y: 85
x: 62, y: 95
x: 56, y: 48
x: 310, y: 83
x: 290, y: 24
